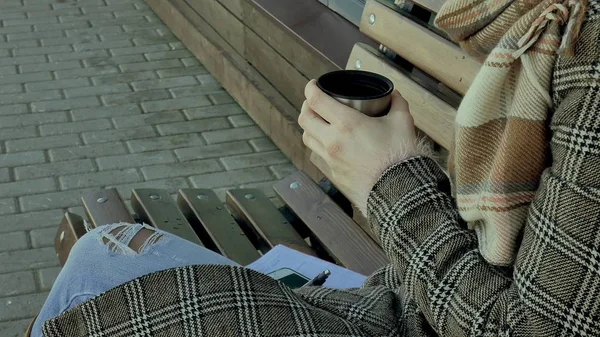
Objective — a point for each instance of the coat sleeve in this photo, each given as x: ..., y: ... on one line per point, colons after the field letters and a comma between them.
x: 554, y: 287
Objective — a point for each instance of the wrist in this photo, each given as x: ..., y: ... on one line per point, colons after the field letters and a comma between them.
x: 419, y: 148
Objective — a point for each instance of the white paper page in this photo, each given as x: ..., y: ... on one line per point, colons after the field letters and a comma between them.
x: 283, y: 257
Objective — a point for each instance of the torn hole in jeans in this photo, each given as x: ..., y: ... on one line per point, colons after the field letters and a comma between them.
x: 129, y: 239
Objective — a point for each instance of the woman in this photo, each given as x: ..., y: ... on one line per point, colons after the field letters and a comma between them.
x: 531, y: 267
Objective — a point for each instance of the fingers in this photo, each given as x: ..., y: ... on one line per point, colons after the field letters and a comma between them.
x: 325, y: 106
x: 313, y: 123
x: 313, y: 144
x: 399, y: 109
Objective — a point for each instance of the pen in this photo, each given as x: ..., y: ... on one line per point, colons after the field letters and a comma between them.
x: 318, y: 280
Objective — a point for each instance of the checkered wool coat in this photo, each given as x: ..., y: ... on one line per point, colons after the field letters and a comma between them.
x: 437, y: 283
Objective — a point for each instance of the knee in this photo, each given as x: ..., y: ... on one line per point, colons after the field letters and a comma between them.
x: 127, y: 239
x: 131, y: 238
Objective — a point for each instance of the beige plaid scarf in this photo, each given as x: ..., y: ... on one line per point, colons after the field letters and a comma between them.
x: 501, y: 125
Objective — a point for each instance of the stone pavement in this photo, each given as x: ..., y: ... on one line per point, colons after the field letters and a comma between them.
x: 94, y: 94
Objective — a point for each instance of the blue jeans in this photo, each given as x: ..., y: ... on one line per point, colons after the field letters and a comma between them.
x: 103, y: 259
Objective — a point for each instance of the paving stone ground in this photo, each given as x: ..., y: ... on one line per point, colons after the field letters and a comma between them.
x: 94, y: 94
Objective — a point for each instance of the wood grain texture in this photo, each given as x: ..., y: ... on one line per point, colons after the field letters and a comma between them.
x: 71, y: 228
x: 234, y: 6
x: 432, y: 115
x: 344, y: 240
x: 155, y: 207
x: 287, y: 79
x: 255, y: 209
x: 425, y: 49
x: 223, y: 21
x: 105, y: 207
x: 203, y: 207
x: 317, y: 26
x: 309, y: 61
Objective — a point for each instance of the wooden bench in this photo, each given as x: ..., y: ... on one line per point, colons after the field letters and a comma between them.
x: 431, y: 72
x: 243, y: 228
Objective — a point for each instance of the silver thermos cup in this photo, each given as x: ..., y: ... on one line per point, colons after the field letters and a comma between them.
x: 364, y: 91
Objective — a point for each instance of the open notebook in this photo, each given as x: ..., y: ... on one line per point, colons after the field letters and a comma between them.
x: 309, y: 266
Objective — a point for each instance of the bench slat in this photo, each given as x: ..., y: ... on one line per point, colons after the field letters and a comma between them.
x: 425, y: 49
x: 156, y: 207
x: 71, y: 228
x: 204, y: 207
x: 341, y: 236
x: 106, y: 207
x: 254, y: 208
x: 432, y: 115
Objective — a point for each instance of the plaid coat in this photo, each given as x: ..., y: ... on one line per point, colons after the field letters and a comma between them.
x: 437, y: 283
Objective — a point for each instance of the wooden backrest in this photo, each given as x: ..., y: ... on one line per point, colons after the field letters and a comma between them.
x: 448, y: 70
x: 432, y: 115
x: 430, y: 71
x: 419, y: 45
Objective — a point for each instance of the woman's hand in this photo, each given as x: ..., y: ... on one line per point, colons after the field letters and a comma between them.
x: 356, y: 147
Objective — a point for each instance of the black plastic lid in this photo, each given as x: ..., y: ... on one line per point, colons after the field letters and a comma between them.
x: 355, y: 84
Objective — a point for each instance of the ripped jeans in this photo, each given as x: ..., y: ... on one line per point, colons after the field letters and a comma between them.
x: 109, y: 256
